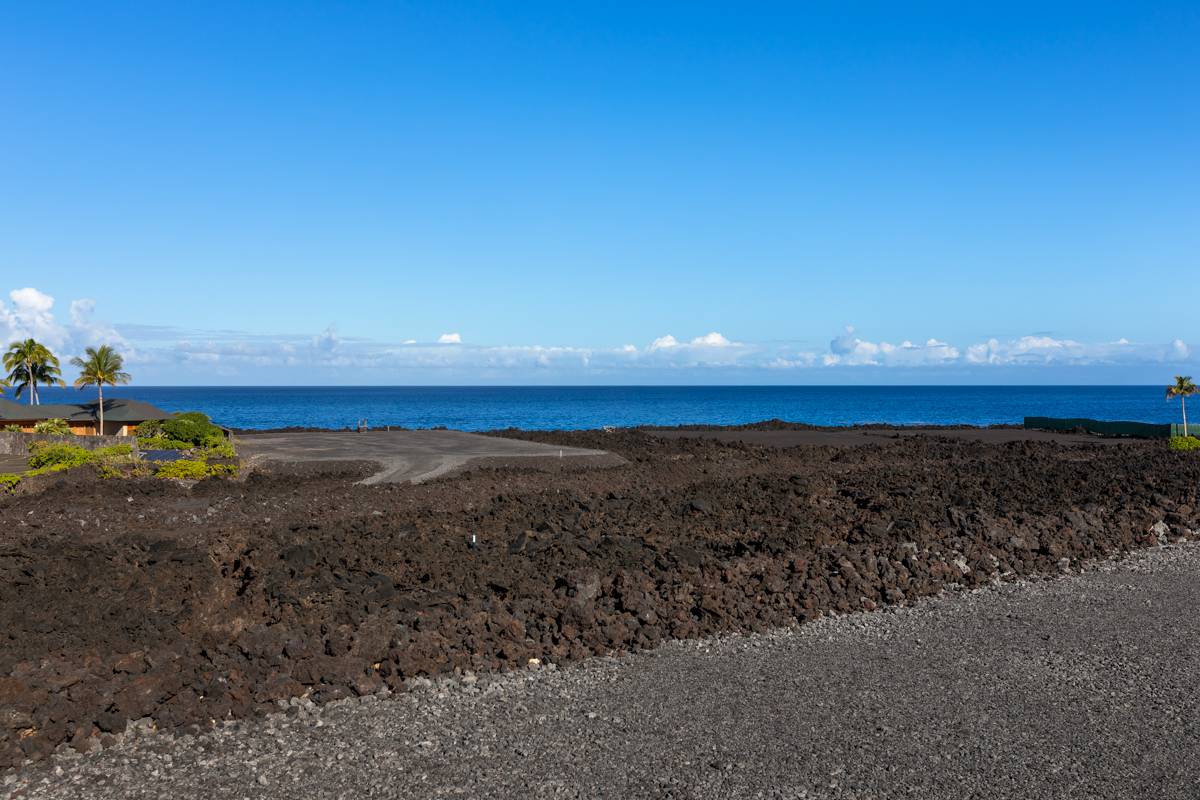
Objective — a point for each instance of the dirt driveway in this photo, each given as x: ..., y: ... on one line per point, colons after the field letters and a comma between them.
x: 13, y: 464
x: 403, y: 456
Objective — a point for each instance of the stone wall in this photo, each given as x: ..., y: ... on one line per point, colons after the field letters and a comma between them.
x: 17, y: 444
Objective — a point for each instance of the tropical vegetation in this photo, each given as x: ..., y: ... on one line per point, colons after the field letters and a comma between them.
x: 1184, y: 443
x: 1183, y: 388
x: 58, y: 456
x: 103, y: 365
x: 193, y: 469
x: 194, y: 432
x: 110, y: 462
x: 184, y: 431
x: 53, y: 427
x: 30, y: 363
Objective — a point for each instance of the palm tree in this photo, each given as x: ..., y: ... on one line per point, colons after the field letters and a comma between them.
x: 30, y: 363
x: 1182, y: 388
x: 46, y: 373
x: 102, y: 365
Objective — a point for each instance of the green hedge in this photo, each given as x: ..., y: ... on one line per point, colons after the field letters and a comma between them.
x: 189, y: 469
x: 1185, y: 443
x: 119, y: 460
x: 56, y: 456
x: 181, y: 432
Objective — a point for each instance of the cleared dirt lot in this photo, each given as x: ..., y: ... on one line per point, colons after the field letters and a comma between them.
x: 403, y: 456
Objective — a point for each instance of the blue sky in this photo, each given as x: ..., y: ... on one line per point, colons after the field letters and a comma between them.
x: 315, y: 192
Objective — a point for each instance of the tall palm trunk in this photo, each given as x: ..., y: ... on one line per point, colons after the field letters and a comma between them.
x: 1183, y: 405
x: 29, y: 377
x: 100, y: 390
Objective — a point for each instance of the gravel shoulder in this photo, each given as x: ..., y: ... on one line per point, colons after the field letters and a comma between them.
x: 142, y: 602
x: 1080, y: 686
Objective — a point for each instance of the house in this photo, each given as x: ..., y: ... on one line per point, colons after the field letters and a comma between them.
x: 121, y: 415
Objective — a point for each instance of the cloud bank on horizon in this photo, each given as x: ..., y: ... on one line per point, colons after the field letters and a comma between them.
x: 171, y: 353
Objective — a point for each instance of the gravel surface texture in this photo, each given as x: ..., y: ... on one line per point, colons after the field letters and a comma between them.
x: 180, y: 603
x: 403, y: 456
x: 13, y: 464
x: 1081, y: 686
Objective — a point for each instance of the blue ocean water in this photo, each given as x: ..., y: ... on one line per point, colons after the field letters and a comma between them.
x: 568, y: 407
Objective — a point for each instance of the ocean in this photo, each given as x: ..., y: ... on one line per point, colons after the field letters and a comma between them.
x: 566, y: 407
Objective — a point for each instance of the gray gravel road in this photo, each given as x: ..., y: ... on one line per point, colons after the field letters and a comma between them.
x: 403, y: 456
x: 1084, y: 686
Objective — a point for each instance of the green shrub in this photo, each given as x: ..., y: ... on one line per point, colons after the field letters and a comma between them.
x: 184, y: 468
x: 150, y: 429
x: 55, y: 456
x: 8, y: 482
x: 115, y: 461
x: 192, y: 469
x: 194, y: 428
x: 1185, y: 443
x: 12, y: 428
x: 53, y: 427
x: 223, y: 449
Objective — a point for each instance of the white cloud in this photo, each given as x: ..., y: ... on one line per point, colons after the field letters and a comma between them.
x: 326, y: 341
x: 668, y: 353
x: 1047, y: 350
x: 664, y: 343
x: 799, y: 360
x: 713, y: 339
x: 851, y: 350
x: 669, y: 342
x: 32, y: 316
x: 30, y: 312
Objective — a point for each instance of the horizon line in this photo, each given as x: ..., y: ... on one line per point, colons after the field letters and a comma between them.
x: 608, y: 386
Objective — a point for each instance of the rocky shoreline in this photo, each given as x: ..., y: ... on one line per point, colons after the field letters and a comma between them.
x: 169, y: 607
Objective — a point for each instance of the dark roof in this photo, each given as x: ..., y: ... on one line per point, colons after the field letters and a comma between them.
x: 117, y: 409
x: 6, y: 408
x: 123, y: 410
